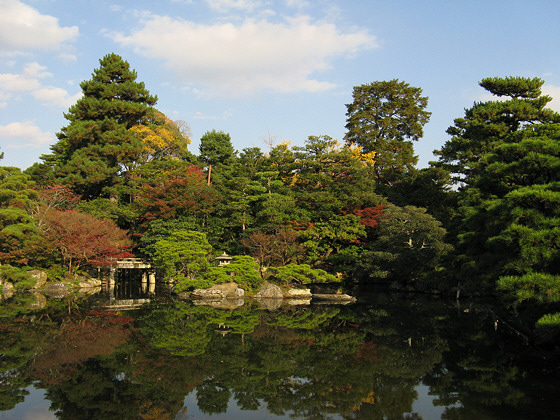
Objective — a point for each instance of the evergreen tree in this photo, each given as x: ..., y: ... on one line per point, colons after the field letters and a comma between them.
x: 97, y: 148
x: 385, y: 117
x: 511, y: 224
x: 486, y: 124
x: 215, y: 148
x: 20, y: 239
x: 502, y: 152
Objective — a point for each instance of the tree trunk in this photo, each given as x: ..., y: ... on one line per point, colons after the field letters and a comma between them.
x: 209, y: 172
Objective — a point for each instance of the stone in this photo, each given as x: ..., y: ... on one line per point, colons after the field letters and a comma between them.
x: 8, y: 289
x: 239, y: 292
x: 213, y: 294
x: 299, y: 293
x: 39, y: 276
x: 227, y: 289
x: 270, y: 291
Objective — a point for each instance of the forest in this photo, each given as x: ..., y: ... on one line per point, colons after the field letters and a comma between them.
x: 120, y: 181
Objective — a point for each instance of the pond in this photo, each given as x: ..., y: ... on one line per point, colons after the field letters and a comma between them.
x: 387, y: 356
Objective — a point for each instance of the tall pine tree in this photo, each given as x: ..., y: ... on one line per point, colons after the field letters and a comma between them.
x: 97, y: 148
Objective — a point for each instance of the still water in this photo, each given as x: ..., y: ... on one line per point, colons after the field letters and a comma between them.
x: 124, y: 354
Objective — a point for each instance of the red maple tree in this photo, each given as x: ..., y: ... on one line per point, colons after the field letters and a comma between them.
x: 84, y: 239
x: 174, y: 193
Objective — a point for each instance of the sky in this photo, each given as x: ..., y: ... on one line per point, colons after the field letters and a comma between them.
x: 266, y: 71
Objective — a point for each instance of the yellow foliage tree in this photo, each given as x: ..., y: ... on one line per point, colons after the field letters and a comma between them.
x: 162, y: 138
x: 368, y: 159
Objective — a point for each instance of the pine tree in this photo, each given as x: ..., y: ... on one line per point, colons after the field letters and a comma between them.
x: 97, y: 148
x: 486, y: 124
x: 384, y: 118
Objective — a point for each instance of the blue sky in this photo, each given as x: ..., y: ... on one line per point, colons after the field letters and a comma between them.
x: 265, y: 69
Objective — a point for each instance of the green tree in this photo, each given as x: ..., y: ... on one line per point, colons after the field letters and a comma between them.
x: 385, y: 117
x: 511, y: 224
x: 505, y: 154
x: 183, y: 258
x: 329, y: 179
x: 300, y: 274
x: 323, y: 239
x: 242, y: 270
x: 21, y: 242
x: 487, y: 123
x: 410, y: 244
x: 97, y: 148
x: 215, y: 148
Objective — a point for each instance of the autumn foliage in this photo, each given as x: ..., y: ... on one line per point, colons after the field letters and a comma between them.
x: 175, y: 192
x: 82, y: 238
x: 370, y: 215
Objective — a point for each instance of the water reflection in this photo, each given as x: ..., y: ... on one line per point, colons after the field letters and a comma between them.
x: 383, y: 357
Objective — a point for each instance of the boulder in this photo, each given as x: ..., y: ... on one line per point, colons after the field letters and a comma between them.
x: 227, y: 289
x: 39, y: 276
x: 299, y: 293
x: 213, y: 294
x: 8, y: 289
x: 270, y: 291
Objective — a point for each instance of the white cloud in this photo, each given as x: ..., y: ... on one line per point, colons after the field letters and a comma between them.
x: 23, y: 134
x: 23, y: 27
x: 227, y: 5
x: 56, y: 96
x: 201, y: 116
x: 30, y: 81
x: 67, y: 57
x: 298, y: 4
x: 26, y: 81
x: 554, y: 93
x: 245, y: 58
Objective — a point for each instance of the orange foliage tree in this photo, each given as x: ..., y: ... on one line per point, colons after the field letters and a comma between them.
x: 172, y: 191
x: 83, y: 239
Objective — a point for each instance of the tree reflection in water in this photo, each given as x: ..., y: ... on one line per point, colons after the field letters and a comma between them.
x: 360, y: 361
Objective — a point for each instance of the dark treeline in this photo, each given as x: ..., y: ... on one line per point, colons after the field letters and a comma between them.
x: 120, y: 180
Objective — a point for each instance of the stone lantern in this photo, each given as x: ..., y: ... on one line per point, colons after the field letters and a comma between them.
x: 223, y: 259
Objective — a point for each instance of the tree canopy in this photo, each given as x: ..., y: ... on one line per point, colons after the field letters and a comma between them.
x: 98, y: 147
x: 384, y: 118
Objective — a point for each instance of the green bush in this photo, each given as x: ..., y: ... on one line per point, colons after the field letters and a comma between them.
x: 300, y: 274
x: 18, y: 276
x: 57, y: 272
